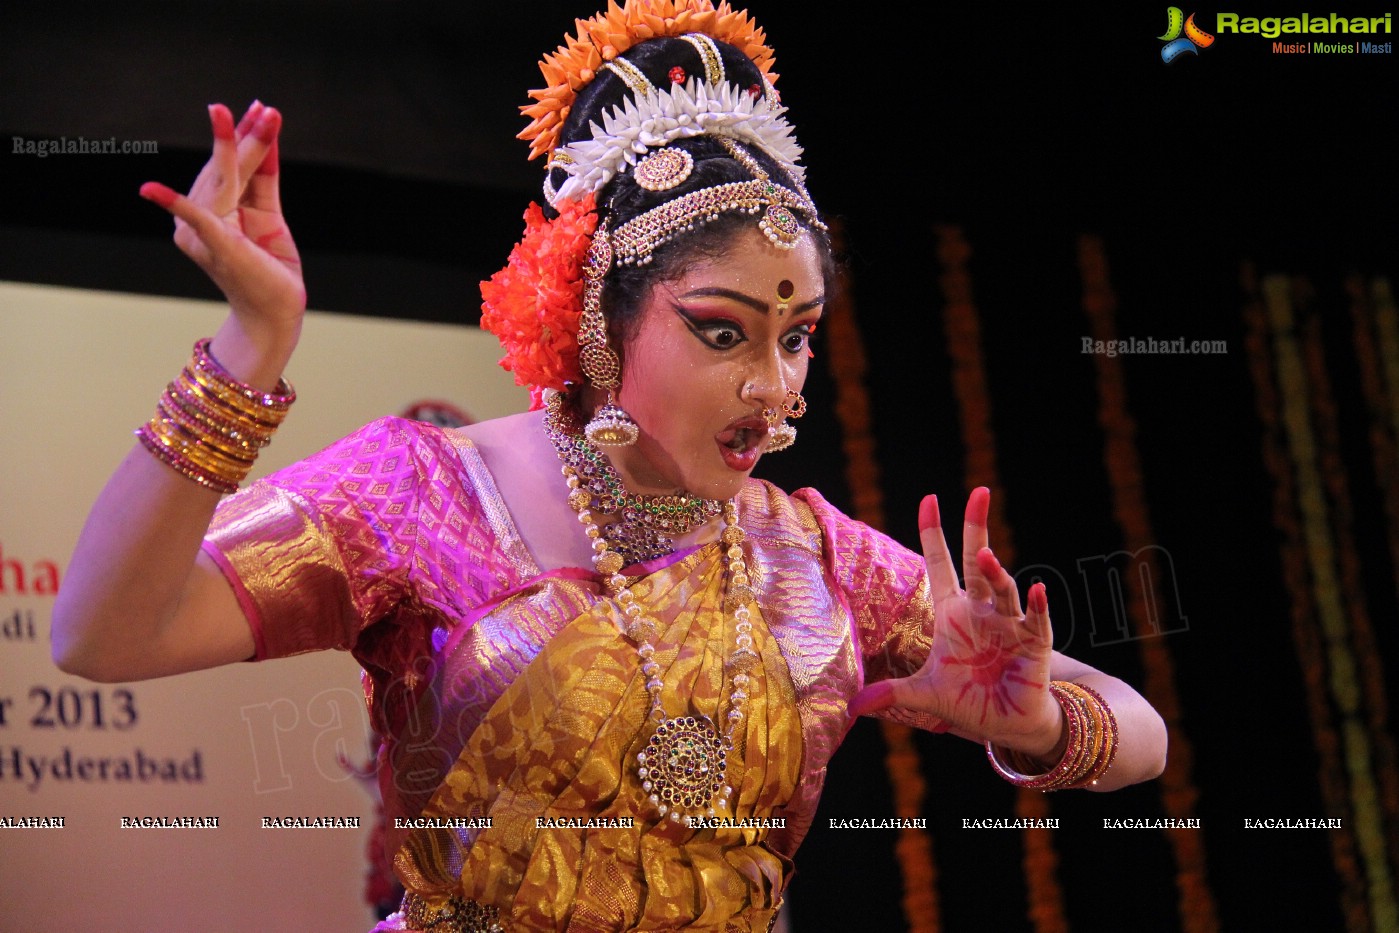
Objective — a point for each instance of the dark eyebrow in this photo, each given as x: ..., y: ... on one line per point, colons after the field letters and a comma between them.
x: 756, y: 304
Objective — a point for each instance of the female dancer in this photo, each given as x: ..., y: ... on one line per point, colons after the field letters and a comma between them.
x: 610, y: 667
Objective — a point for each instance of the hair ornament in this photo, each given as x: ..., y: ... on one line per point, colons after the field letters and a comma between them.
x: 633, y: 77
x: 634, y: 242
x: 533, y: 305
x: 638, y: 124
x: 709, y: 54
x: 664, y: 169
x: 611, y: 33
x: 557, y: 159
x: 778, y: 223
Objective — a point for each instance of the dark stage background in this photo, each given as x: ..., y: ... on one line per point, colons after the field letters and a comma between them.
x: 1006, y: 185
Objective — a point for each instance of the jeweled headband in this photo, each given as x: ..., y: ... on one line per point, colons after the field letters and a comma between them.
x: 533, y: 305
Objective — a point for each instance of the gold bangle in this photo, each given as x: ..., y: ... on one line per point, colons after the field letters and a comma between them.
x: 198, y: 423
x: 1091, y: 746
x: 209, y: 427
x: 238, y: 394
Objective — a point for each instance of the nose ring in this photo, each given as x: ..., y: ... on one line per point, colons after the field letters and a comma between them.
x: 782, y: 435
x: 793, y: 405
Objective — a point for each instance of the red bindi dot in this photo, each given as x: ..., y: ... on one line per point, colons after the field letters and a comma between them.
x: 677, y: 75
x: 785, y: 289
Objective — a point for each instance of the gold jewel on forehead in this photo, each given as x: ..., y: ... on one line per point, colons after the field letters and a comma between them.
x: 709, y: 54
x: 639, y: 84
x: 778, y: 222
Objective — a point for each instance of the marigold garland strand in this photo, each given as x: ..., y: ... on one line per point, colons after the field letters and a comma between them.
x: 1387, y: 328
x: 970, y: 386
x: 1196, y: 900
x: 1322, y: 562
x: 847, y: 360
x: 1364, y: 644
x: 1384, y: 432
x: 1305, y: 633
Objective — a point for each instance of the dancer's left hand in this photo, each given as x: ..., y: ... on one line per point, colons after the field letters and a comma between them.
x: 987, y: 673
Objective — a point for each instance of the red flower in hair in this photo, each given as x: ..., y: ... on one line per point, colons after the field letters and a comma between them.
x: 533, y: 304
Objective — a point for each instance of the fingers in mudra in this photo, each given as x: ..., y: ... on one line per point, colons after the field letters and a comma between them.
x: 231, y: 221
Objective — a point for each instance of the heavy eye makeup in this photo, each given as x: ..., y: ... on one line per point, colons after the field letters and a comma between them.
x: 720, y: 331
x: 715, y: 330
x: 798, y: 339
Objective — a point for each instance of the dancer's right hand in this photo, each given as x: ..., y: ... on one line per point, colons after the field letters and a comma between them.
x: 231, y: 224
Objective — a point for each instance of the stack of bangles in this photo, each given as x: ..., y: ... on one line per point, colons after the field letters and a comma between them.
x: 210, y: 427
x: 1091, y: 746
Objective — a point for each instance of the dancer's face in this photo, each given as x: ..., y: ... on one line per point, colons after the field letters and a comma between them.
x: 710, y: 351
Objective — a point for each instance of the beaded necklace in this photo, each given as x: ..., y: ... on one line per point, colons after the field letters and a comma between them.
x: 684, y: 765
x: 645, y: 525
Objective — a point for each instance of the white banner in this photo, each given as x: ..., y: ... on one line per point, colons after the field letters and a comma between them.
x: 85, y: 768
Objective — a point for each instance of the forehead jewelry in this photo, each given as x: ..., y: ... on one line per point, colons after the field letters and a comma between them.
x: 635, y: 241
x: 778, y: 222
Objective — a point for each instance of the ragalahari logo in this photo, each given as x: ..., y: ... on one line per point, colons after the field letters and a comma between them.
x: 1177, y: 44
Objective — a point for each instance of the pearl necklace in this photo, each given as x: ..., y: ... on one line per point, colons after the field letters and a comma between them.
x: 684, y: 765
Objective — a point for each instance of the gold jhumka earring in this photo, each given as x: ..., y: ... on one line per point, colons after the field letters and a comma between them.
x: 610, y: 426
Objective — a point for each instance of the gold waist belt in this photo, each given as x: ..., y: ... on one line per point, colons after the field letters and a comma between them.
x: 459, y: 915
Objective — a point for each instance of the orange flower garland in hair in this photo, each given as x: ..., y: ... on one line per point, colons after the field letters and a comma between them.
x: 533, y: 304
x: 612, y: 33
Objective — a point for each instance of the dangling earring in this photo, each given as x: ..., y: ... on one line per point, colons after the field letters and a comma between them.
x: 781, y: 434
x: 610, y: 426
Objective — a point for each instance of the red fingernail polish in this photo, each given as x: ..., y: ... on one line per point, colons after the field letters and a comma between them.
x: 267, y: 125
x: 270, y: 162
x: 158, y: 193
x: 222, y: 121
x: 979, y: 505
x: 244, y: 125
x: 928, y: 514
x: 1039, y: 600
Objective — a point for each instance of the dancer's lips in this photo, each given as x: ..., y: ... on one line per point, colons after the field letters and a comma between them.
x: 741, y: 443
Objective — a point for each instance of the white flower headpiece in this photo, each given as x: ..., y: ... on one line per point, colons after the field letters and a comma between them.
x: 658, y: 117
